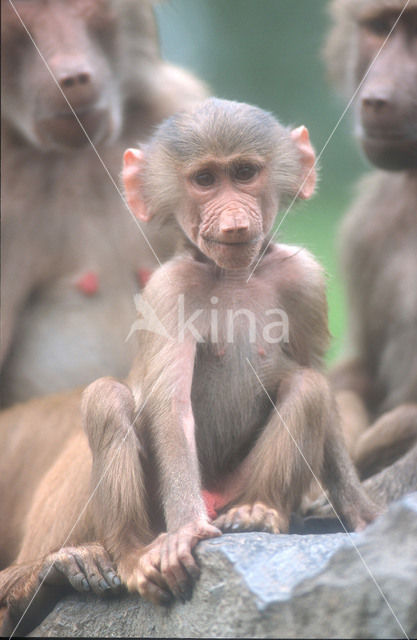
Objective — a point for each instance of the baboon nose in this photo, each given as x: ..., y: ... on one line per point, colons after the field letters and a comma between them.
x: 73, y: 80
x: 377, y: 111
x: 234, y: 225
x: 79, y: 88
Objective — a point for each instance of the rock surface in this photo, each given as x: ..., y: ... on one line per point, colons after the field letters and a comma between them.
x: 287, y: 586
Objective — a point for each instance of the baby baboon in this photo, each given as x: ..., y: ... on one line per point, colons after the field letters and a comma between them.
x: 225, y: 417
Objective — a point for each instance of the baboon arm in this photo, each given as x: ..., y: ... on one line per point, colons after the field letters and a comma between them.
x: 354, y: 417
x: 352, y: 386
x: 347, y: 497
x: 173, y: 434
x: 351, y: 375
x: 394, y: 481
x: 389, y: 438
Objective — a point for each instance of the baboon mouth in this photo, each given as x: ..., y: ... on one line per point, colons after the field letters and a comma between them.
x: 384, y: 142
x: 387, y: 136
x: 391, y: 138
x: 79, y: 113
x: 239, y: 243
x: 393, y: 153
x: 68, y: 130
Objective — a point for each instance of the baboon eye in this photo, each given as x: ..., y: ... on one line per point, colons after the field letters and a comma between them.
x: 204, y: 178
x: 379, y: 26
x: 245, y: 172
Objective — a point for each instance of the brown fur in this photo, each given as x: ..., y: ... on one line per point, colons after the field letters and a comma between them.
x: 192, y: 419
x: 379, y: 244
x: 62, y: 218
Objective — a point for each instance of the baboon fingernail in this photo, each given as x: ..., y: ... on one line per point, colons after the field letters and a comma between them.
x: 113, y: 578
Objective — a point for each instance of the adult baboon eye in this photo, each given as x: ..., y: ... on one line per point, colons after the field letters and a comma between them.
x: 379, y: 26
x: 245, y: 172
x: 204, y: 178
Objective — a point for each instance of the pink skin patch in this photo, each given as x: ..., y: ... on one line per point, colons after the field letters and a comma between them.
x: 228, y: 489
x: 143, y: 276
x: 214, y: 501
x: 88, y: 283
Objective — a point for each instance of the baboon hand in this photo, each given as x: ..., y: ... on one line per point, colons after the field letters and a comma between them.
x: 167, y: 568
x: 85, y: 568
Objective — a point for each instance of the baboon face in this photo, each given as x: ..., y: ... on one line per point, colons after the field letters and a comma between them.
x: 387, y: 105
x: 78, y: 42
x: 374, y: 45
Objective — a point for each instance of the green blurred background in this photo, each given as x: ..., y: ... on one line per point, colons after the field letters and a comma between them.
x: 268, y: 53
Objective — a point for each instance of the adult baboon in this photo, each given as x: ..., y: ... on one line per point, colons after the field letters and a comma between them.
x: 72, y: 256
x: 377, y: 387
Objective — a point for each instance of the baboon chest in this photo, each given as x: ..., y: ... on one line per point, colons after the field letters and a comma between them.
x: 229, y: 402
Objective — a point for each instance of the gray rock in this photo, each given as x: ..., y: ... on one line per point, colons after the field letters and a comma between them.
x: 261, y: 585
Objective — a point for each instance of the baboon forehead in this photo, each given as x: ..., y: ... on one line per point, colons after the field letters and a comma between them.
x: 222, y: 127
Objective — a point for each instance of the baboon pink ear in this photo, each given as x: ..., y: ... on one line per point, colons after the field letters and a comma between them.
x: 308, y: 158
x: 133, y: 163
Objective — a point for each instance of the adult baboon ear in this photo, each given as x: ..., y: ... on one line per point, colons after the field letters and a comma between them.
x: 308, y: 158
x: 133, y: 163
